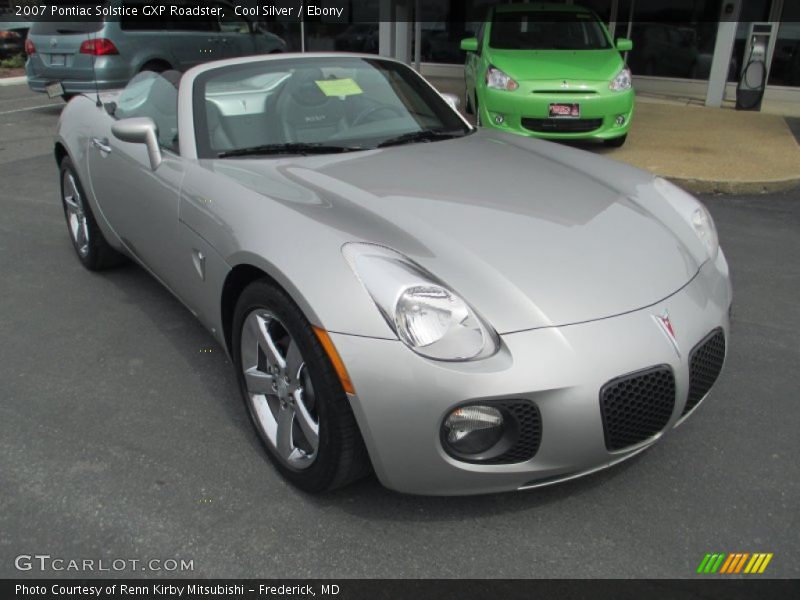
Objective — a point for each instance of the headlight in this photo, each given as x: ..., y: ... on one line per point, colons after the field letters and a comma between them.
x: 622, y: 81
x: 426, y: 315
x: 693, y: 212
x: 497, y: 80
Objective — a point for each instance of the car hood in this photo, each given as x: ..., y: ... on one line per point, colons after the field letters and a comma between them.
x: 582, y: 65
x: 531, y: 233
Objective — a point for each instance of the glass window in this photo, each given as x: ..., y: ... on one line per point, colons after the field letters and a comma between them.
x: 359, y: 34
x: 230, y: 23
x: 672, y: 39
x: 336, y: 102
x: 785, y: 68
x: 153, y: 95
x: 547, y: 30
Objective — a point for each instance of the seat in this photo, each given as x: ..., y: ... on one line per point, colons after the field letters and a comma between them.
x: 304, y: 113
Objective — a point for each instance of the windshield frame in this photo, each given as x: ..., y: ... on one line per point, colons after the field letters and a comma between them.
x: 426, y: 91
x: 563, y: 15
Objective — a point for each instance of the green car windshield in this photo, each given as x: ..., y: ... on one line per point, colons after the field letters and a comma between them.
x: 547, y: 30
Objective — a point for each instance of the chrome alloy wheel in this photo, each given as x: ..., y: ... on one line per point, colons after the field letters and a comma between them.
x: 279, y: 389
x: 76, y: 214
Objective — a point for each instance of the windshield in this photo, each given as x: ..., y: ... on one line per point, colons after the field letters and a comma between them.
x: 301, y: 105
x: 547, y: 30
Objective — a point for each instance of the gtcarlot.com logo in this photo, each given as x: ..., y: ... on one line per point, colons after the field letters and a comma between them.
x: 45, y: 562
x: 722, y: 563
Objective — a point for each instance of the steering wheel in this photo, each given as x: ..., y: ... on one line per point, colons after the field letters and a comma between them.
x: 369, y: 111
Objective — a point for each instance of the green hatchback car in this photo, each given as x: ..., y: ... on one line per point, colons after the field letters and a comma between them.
x: 550, y: 71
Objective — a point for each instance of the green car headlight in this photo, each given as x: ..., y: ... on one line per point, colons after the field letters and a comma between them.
x: 622, y: 81
x: 497, y: 80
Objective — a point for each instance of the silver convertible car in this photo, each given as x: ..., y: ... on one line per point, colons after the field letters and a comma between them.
x: 459, y: 310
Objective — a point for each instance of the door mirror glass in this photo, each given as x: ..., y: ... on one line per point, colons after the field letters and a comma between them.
x: 140, y: 130
x: 624, y: 44
x: 469, y: 44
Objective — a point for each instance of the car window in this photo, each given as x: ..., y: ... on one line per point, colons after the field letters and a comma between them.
x: 230, y: 23
x: 153, y: 95
x: 192, y: 23
x: 342, y: 101
x: 547, y: 30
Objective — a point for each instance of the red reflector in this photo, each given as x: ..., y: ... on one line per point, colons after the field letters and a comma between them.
x: 29, y: 47
x: 98, y: 47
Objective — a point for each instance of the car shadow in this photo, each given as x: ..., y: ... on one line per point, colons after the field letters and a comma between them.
x: 368, y: 499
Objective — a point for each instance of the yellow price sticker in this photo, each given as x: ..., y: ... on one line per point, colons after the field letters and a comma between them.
x: 339, y: 87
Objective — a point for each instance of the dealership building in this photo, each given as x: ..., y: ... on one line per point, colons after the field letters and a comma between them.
x: 682, y: 48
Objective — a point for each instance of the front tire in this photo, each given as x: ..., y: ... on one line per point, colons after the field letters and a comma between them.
x: 293, y: 394
x: 92, y: 249
x: 616, y: 142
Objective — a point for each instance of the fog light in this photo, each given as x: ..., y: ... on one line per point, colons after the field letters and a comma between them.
x: 620, y: 120
x: 499, y: 119
x: 472, y: 430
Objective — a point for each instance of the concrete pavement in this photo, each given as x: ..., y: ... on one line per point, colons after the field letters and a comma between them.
x: 122, y: 436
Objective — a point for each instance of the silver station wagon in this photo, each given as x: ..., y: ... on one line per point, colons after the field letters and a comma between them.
x: 112, y: 51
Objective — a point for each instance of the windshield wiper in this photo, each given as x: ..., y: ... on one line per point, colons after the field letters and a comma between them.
x: 289, y: 148
x: 426, y: 135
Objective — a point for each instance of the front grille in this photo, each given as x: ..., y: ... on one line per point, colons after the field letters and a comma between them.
x: 529, y: 427
x: 705, y: 365
x: 635, y: 407
x: 562, y: 125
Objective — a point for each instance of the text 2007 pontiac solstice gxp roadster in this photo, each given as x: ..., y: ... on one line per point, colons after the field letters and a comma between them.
x: 462, y: 311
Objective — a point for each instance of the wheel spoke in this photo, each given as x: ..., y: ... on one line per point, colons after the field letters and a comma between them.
x: 267, y: 344
x: 72, y: 206
x: 294, y: 362
x: 308, y: 426
x: 258, y: 382
x: 283, y: 436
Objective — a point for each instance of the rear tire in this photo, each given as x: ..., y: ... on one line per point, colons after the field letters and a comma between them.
x: 616, y: 142
x: 92, y: 249
x: 281, y: 366
x: 155, y: 66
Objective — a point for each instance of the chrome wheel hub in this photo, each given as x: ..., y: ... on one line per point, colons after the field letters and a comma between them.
x: 76, y: 215
x: 279, y: 389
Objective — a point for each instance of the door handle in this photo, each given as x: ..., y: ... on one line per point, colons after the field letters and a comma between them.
x: 101, y: 145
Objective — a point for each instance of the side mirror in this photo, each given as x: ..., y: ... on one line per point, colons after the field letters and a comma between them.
x: 453, y: 100
x: 140, y: 130
x: 469, y: 44
x: 624, y: 45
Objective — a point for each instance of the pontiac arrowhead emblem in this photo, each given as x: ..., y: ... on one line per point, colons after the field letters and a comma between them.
x: 665, y: 324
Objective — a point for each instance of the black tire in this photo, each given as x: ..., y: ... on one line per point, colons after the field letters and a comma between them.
x: 99, y: 254
x: 468, y: 104
x: 341, y: 456
x: 616, y: 142
x: 478, y: 120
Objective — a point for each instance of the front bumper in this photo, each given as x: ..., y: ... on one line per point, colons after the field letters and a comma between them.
x: 403, y: 398
x: 598, y: 105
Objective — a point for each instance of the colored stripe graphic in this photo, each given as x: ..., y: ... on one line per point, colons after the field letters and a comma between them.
x: 734, y: 563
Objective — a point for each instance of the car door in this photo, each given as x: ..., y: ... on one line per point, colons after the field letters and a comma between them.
x: 472, y: 66
x: 141, y: 204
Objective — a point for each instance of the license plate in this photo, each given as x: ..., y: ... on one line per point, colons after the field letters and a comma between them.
x: 572, y: 111
x: 58, y: 60
x: 54, y: 90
